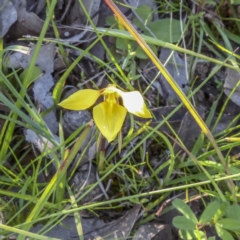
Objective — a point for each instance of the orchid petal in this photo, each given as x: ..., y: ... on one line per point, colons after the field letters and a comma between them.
x: 109, y: 118
x: 112, y: 89
x: 81, y: 100
x: 134, y: 103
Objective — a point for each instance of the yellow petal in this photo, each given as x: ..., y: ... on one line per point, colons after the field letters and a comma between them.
x: 111, y: 88
x: 134, y: 103
x: 109, y: 118
x: 81, y: 100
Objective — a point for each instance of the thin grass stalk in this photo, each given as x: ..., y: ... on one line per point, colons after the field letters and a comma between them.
x: 160, y: 43
x: 26, y: 81
x: 175, y: 87
x: 123, y: 76
x: 55, y: 180
x: 128, y: 198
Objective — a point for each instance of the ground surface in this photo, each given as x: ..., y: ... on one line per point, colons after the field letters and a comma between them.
x: 63, y: 177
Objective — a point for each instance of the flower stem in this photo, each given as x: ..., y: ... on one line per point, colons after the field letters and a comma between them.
x: 101, y: 156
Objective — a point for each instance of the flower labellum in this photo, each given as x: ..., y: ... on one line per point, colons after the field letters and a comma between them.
x: 109, y: 115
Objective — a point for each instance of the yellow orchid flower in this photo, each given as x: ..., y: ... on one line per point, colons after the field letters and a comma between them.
x: 109, y: 115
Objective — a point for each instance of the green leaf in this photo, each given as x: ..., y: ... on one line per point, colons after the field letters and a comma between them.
x: 36, y: 73
x: 121, y: 44
x: 141, y: 54
x: 184, y: 223
x: 109, y: 118
x: 81, y: 100
x: 212, y: 238
x: 191, y: 234
x: 209, y: 212
x: 235, y: 2
x: 233, y: 212
x: 229, y: 224
x: 115, y: 54
x: 223, y: 234
x: 232, y: 36
x: 183, y: 208
x: 110, y: 20
x: 132, y: 70
x: 167, y: 30
x: 221, y: 211
x: 144, y: 12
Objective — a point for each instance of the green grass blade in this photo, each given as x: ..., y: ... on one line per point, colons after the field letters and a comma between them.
x: 174, y: 85
x: 55, y: 180
x: 25, y: 233
x: 27, y: 80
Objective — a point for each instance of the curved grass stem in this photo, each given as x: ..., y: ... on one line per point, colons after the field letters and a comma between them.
x: 175, y: 87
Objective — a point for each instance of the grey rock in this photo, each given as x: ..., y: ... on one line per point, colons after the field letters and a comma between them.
x: 231, y: 81
x: 67, y: 229
x: 85, y: 176
x: 176, y: 67
x: 153, y: 231
x: 8, y: 15
x: 72, y: 120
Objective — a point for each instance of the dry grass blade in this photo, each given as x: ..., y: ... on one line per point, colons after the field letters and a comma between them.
x: 173, y: 84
